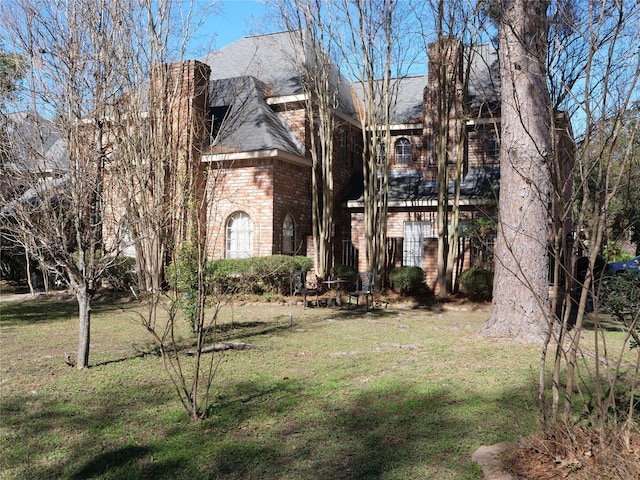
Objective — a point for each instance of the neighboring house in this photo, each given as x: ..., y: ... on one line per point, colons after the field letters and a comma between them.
x: 36, y: 145
x: 36, y: 161
x: 33, y: 166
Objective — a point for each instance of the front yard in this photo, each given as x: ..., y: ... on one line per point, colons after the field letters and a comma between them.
x: 401, y: 392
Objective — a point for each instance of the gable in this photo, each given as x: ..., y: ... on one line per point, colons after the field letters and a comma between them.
x: 248, y: 123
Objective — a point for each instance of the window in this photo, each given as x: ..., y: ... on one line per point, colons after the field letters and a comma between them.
x: 403, y: 151
x: 239, y: 233
x: 493, y: 146
x: 353, y: 150
x: 288, y: 235
x: 343, y: 146
x: 381, y: 154
x: 218, y: 116
x: 413, y: 243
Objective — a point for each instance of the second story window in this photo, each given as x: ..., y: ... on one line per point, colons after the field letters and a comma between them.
x: 493, y: 146
x: 381, y: 154
x: 403, y: 151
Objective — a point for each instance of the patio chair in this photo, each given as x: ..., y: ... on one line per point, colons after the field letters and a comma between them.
x: 364, y: 288
x: 299, y: 286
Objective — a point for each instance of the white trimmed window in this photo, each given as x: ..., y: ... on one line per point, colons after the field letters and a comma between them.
x: 403, y: 151
x: 493, y: 146
x: 413, y: 243
x: 239, y: 236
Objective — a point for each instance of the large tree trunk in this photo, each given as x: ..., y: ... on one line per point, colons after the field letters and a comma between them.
x: 520, y: 309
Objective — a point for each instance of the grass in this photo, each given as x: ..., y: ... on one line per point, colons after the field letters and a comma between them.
x: 398, y: 393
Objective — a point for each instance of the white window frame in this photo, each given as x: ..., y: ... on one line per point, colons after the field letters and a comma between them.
x: 239, y: 230
x: 413, y: 242
x: 402, y: 151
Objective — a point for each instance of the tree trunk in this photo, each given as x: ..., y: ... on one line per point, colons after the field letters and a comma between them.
x: 84, y: 326
x: 520, y: 309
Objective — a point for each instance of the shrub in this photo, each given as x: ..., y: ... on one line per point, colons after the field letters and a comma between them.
x: 232, y: 275
x: 13, y: 265
x: 273, y: 272
x: 256, y: 275
x: 407, y: 280
x: 346, y: 273
x: 121, y: 274
x: 478, y: 283
x: 182, y: 275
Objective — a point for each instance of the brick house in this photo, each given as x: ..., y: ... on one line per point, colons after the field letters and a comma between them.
x: 260, y: 166
x: 412, y: 218
x: 256, y: 150
x: 259, y: 181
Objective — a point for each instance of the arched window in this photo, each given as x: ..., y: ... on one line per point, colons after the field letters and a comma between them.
x: 403, y: 151
x: 239, y: 236
x: 288, y: 235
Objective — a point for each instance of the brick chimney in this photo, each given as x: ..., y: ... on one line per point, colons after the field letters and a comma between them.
x: 180, y: 105
x: 444, y: 93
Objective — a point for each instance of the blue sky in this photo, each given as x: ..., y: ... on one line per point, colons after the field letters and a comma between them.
x: 233, y: 20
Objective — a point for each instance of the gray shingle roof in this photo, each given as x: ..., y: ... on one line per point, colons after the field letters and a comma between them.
x: 411, y: 186
x: 409, y: 92
x: 480, y: 182
x: 484, y: 77
x: 37, y: 145
x: 407, y: 95
x: 265, y: 66
x: 484, y: 86
x: 269, y: 61
x: 268, y: 58
x: 249, y: 124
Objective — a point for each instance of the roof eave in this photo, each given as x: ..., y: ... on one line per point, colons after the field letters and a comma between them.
x: 257, y: 154
x: 425, y: 203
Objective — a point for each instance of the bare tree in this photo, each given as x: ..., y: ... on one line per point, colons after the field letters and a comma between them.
x: 372, y: 49
x: 459, y: 27
x: 88, y: 62
x: 520, y: 308
x: 72, y: 78
x: 162, y: 193
x: 310, y: 24
x: 594, y: 73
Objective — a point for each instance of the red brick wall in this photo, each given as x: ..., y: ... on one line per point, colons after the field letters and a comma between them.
x: 395, y: 230
x: 292, y: 196
x: 245, y: 185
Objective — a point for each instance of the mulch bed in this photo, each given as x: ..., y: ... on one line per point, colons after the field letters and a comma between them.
x: 536, y: 460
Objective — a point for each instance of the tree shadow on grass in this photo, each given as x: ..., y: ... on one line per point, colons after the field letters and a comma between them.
x: 46, y: 309
x: 111, y: 461
x: 231, y: 331
x: 388, y: 433
x: 264, y: 429
x: 37, y: 310
x: 391, y: 433
x: 52, y: 437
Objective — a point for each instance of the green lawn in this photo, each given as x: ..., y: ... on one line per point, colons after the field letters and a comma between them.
x: 398, y: 393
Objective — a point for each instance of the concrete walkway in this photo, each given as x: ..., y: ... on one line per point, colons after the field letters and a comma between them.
x: 491, y: 466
